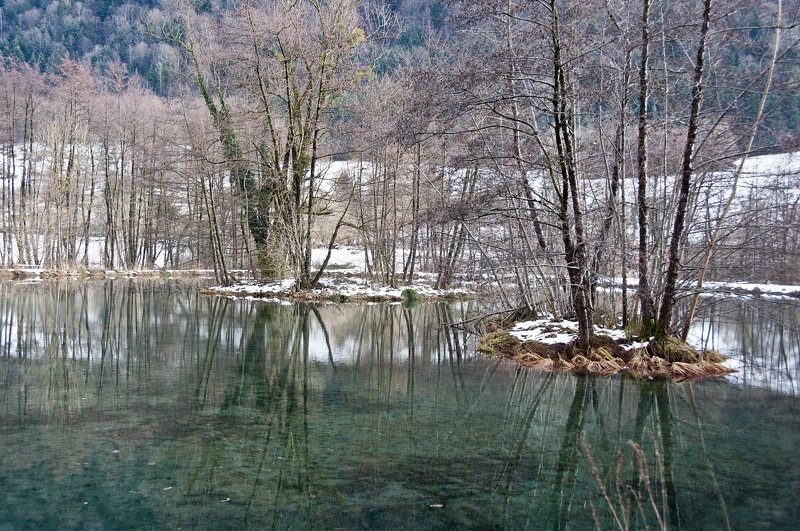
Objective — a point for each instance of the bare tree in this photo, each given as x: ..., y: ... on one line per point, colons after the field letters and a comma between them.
x: 647, y: 307
x: 712, y: 241
x: 285, y: 64
x: 687, y: 172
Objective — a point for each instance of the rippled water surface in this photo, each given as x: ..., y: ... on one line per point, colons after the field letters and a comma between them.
x: 137, y: 405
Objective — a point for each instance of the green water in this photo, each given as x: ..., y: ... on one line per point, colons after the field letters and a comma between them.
x: 141, y: 405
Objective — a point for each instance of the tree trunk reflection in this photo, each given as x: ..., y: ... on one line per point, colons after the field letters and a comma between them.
x: 205, y: 411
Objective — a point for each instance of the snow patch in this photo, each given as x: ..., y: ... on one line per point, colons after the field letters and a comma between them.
x: 331, y: 288
x: 562, y: 332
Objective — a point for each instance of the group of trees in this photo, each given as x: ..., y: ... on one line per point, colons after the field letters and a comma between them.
x: 101, y: 174
x: 96, y: 32
x: 537, y: 146
x: 560, y: 143
x: 608, y: 124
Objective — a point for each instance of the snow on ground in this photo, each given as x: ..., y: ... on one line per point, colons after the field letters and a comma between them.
x: 340, y: 280
x: 332, y: 288
x: 343, y: 259
x: 772, y: 290
x: 346, y: 263
x: 771, y: 164
x: 278, y: 287
x: 552, y: 332
x: 711, y: 287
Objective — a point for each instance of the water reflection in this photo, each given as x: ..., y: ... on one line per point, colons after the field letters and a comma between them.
x: 762, y: 336
x: 131, y: 404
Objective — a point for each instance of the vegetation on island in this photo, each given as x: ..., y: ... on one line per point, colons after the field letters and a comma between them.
x: 537, y: 148
x: 670, y: 358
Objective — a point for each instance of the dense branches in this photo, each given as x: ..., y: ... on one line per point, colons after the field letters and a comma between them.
x: 506, y: 145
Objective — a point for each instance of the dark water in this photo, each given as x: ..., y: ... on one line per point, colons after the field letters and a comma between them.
x: 139, y: 405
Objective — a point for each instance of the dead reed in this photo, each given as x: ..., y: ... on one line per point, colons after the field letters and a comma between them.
x: 633, y: 503
x: 670, y: 359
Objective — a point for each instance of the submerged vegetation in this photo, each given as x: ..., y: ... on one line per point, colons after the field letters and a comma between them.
x: 139, y: 403
x: 633, y: 504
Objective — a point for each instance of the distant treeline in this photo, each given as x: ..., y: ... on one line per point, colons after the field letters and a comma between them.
x: 105, y: 33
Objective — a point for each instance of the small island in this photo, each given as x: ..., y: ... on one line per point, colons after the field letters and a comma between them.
x: 549, y: 344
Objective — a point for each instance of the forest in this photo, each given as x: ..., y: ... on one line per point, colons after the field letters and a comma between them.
x: 543, y: 149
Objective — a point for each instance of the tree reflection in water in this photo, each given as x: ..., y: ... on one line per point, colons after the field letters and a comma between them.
x: 157, y: 406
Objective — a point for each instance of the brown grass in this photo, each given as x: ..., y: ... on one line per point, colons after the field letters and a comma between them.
x: 627, y: 500
x: 671, y: 359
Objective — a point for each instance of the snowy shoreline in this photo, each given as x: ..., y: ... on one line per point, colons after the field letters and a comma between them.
x: 351, y: 285
x: 34, y: 274
x: 338, y: 289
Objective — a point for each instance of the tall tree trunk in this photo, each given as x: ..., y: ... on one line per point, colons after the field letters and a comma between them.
x: 676, y: 239
x: 570, y: 210
x: 718, y: 228
x: 408, y: 267
x: 218, y: 251
x: 645, y: 292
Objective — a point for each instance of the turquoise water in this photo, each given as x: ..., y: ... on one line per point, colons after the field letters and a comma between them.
x: 143, y: 405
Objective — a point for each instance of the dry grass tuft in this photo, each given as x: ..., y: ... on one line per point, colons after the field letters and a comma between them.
x: 712, y: 356
x: 635, y: 502
x: 499, y: 342
x: 669, y: 359
x: 605, y: 367
x: 689, y: 372
x: 674, y: 350
x: 580, y: 364
x: 527, y: 359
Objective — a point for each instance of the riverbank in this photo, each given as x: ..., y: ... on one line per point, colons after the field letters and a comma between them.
x: 32, y: 273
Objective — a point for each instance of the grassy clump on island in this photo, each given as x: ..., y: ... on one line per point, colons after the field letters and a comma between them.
x: 668, y: 358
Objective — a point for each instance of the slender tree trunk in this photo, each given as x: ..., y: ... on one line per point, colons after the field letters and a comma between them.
x: 87, y: 220
x: 645, y: 292
x: 675, y: 247
x: 574, y: 246
x: 218, y: 252
x: 408, y: 267
x: 721, y: 220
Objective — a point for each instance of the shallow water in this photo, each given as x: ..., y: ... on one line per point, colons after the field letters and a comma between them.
x: 131, y: 404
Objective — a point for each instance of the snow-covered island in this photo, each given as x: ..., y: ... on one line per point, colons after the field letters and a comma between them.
x: 345, y: 288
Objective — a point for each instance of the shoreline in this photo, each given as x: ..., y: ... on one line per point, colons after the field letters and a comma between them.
x: 257, y: 289
x: 340, y: 290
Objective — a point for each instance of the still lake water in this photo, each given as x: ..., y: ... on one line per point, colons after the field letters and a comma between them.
x: 141, y: 404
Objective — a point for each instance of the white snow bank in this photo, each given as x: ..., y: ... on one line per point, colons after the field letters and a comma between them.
x: 563, y: 332
x: 745, y: 288
x: 330, y: 288
x: 788, y: 163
